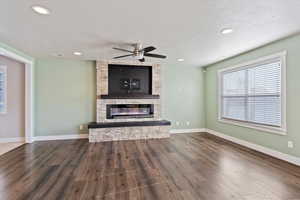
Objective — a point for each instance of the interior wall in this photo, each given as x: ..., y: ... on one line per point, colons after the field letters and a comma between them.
x: 183, y: 96
x: 270, y: 140
x: 65, y: 94
x: 13, y: 122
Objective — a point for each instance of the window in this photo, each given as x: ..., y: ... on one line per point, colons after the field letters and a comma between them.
x: 2, y: 89
x: 253, y: 94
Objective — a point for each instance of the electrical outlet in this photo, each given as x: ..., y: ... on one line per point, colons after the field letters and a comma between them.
x: 177, y: 123
x: 81, y: 127
x: 188, y: 123
x: 290, y: 144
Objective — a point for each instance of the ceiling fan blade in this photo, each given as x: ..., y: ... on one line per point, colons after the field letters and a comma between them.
x: 122, y: 49
x: 154, y: 55
x: 148, y: 49
x: 142, y: 60
x: 124, y: 56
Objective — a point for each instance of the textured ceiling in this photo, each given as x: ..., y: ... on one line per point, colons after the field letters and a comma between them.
x: 180, y: 29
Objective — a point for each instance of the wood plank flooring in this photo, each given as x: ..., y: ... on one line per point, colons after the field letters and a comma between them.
x: 6, y: 147
x: 187, y: 166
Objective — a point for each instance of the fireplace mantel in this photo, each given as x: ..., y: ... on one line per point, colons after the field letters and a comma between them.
x: 129, y: 96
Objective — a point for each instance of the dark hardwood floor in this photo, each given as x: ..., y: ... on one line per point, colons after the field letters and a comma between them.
x: 186, y: 166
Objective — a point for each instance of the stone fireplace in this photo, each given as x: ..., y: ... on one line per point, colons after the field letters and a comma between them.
x: 128, y: 102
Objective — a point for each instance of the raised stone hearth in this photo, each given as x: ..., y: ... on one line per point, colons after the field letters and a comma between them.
x: 128, y: 130
x: 105, y: 100
x: 128, y: 133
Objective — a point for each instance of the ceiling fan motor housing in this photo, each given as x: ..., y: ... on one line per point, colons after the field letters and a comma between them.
x: 138, y: 52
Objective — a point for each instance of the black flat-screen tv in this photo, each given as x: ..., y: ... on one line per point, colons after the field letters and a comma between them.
x: 129, y: 79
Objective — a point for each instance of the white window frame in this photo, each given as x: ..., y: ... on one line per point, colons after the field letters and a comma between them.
x: 4, y: 70
x: 282, y: 130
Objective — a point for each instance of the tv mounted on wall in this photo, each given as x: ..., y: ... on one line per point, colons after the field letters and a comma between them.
x: 128, y: 79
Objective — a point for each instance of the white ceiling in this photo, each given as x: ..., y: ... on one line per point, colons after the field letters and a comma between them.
x: 180, y: 29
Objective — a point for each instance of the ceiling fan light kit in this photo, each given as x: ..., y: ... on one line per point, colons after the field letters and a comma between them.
x: 139, y: 52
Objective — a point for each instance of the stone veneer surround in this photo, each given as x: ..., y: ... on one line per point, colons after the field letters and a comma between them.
x: 127, y: 133
x: 102, y: 89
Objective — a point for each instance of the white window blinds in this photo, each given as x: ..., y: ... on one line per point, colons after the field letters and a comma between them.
x: 253, y: 93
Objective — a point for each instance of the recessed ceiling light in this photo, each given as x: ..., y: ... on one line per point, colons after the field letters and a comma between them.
x: 41, y: 10
x: 180, y: 59
x: 226, y: 31
x: 77, y: 53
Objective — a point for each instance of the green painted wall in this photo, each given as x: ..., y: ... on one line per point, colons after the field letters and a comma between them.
x: 65, y: 93
x: 273, y: 141
x: 65, y: 96
x: 182, y: 96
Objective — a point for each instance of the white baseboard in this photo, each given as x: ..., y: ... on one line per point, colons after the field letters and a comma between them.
x: 60, y: 137
x: 282, y: 156
x: 194, y: 130
x: 16, y: 139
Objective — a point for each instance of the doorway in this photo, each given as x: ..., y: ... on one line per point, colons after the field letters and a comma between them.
x: 15, y: 100
x: 12, y: 104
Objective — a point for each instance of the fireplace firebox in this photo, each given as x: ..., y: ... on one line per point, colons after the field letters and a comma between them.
x: 126, y: 111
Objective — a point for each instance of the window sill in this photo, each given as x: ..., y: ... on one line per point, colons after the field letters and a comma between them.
x: 278, y: 131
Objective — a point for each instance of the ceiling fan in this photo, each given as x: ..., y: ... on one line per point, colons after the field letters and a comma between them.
x: 139, y: 52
